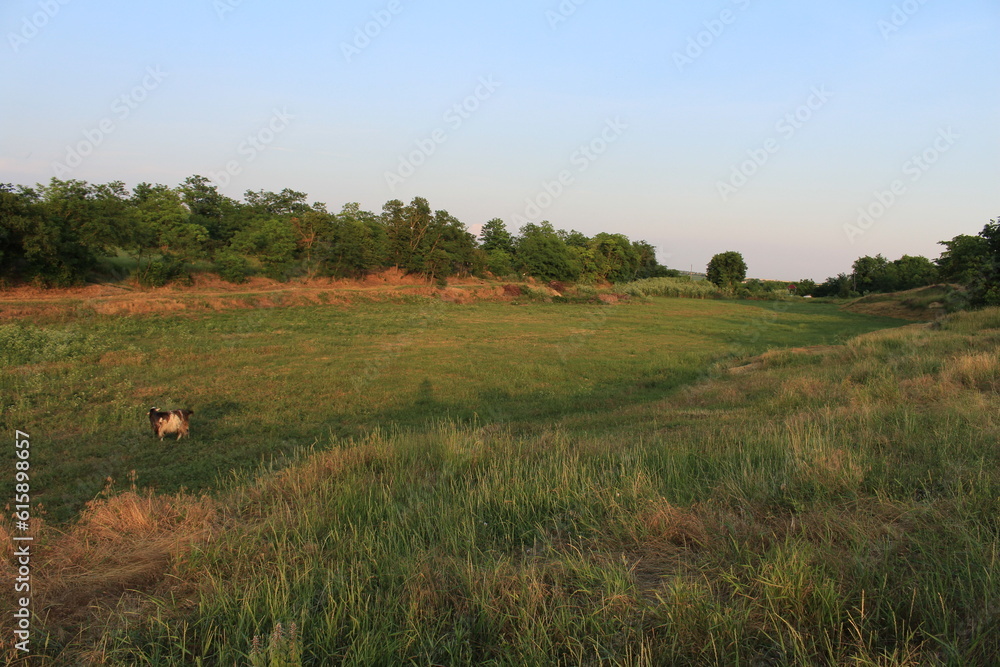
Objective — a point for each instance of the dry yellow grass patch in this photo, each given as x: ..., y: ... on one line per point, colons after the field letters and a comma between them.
x: 307, y: 478
x: 803, y: 387
x: 927, y: 389
x: 121, y: 543
x: 978, y: 371
x: 668, y: 524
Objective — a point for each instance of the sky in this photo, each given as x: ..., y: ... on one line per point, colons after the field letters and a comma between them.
x: 803, y: 135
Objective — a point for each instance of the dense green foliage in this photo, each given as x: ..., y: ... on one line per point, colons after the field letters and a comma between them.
x: 671, y: 287
x: 726, y: 270
x: 57, y: 235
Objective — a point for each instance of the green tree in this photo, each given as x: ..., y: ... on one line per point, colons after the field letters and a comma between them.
x: 914, y: 271
x: 963, y: 258
x: 649, y: 267
x: 58, y: 231
x: 500, y: 263
x: 836, y: 286
x: 453, y: 247
x: 615, y: 256
x: 165, y: 224
x: 309, y: 227
x: 353, y: 245
x: 18, y: 208
x: 494, y: 236
x: 266, y: 204
x: 727, y: 270
x: 272, y: 242
x: 873, y: 274
x: 985, y: 287
x: 540, y: 252
x: 212, y: 210
x: 574, y: 239
x: 805, y: 287
x: 406, y: 230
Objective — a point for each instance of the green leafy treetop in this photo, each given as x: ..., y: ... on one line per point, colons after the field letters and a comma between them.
x: 727, y: 270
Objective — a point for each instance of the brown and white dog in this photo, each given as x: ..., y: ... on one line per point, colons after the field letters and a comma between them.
x: 171, y: 421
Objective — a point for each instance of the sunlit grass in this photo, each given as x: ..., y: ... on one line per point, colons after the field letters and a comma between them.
x: 649, y: 496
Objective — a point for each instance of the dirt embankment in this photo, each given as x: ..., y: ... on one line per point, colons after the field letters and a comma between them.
x: 209, y: 293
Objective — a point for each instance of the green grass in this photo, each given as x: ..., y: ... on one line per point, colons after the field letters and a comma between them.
x: 265, y: 382
x: 671, y: 287
x: 535, y: 484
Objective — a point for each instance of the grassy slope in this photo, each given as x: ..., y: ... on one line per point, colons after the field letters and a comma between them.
x: 833, y: 504
x: 921, y: 304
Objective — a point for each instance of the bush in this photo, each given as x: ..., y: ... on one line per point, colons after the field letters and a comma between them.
x: 232, y: 266
x: 159, y: 272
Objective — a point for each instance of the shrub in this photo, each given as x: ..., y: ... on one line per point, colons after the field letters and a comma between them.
x: 159, y: 272
x: 232, y: 266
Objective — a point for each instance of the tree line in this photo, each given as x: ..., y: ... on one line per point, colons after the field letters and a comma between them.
x: 970, y: 261
x: 69, y: 231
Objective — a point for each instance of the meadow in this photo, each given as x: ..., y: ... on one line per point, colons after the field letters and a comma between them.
x: 666, y: 481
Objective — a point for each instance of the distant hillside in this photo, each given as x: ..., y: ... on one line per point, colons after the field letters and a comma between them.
x: 922, y: 304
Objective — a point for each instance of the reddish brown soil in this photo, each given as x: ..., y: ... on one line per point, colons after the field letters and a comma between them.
x: 209, y: 293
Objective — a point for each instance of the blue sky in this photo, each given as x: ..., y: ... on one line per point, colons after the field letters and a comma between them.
x: 762, y: 127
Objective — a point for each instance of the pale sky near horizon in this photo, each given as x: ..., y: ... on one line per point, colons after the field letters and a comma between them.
x: 698, y: 127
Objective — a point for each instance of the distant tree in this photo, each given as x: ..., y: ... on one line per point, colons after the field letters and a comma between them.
x: 727, y: 270
x: 914, y: 271
x: 574, y: 239
x: 805, y: 287
x: 494, y: 236
x: 163, y: 223
x: 309, y: 226
x: 406, y: 227
x: 450, y: 248
x: 499, y: 262
x: 54, y: 234
x: 353, y: 245
x: 264, y: 204
x: 272, y: 242
x: 18, y: 213
x: 615, y: 257
x: 963, y: 258
x: 541, y: 253
x: 985, y: 288
x: 649, y: 267
x: 873, y: 274
x: 208, y: 208
x: 836, y: 286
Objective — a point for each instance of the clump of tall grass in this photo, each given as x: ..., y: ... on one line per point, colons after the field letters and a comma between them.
x: 670, y: 287
x: 972, y: 321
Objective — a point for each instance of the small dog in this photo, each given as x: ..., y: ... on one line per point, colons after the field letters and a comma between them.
x: 171, y: 421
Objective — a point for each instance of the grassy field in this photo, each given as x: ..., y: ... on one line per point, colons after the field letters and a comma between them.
x: 668, y: 482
